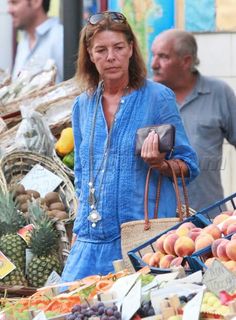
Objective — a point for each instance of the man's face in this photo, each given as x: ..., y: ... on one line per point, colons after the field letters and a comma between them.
x: 21, y: 12
x: 167, y: 66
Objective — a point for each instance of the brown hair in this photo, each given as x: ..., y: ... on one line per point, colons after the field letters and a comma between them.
x: 87, y: 74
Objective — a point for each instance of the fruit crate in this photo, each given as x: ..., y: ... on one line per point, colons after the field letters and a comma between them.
x: 201, y: 219
x: 229, y: 203
x: 136, y: 254
x: 197, y: 260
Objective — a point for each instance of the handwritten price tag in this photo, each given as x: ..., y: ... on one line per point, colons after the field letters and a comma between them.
x: 218, y: 278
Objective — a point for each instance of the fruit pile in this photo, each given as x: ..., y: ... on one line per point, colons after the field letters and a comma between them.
x: 42, y: 240
x: 171, y: 247
x: 65, y: 147
x: 51, y: 203
x: 99, y: 310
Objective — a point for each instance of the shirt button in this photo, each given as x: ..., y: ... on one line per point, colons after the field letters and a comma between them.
x: 122, y: 101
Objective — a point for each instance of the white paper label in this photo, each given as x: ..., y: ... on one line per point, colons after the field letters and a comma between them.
x: 193, y: 307
x: 132, y: 301
x: 41, y: 180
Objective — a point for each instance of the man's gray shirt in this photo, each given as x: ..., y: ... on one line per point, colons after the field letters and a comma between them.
x: 209, y: 116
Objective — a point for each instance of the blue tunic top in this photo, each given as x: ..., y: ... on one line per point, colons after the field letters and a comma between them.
x: 121, y: 196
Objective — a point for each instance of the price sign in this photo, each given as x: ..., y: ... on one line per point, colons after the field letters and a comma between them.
x: 218, y: 278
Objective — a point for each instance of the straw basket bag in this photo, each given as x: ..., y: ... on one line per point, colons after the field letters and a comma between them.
x: 15, y: 165
x: 135, y: 233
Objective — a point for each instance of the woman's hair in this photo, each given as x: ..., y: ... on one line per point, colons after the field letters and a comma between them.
x: 87, y: 74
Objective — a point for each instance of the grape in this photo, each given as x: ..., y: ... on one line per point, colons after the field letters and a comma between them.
x: 100, y: 304
x: 84, y: 306
x: 71, y: 317
x: 94, y: 308
x: 76, y: 307
x: 101, y: 310
x: 109, y: 312
x: 114, y: 308
x: 112, y: 318
x: 104, y: 317
x: 117, y: 314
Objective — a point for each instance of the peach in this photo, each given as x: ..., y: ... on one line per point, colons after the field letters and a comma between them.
x: 226, y: 223
x: 220, y: 218
x: 221, y: 250
x: 231, y: 228
x: 166, y: 261
x: 169, y: 243
x: 228, y: 212
x: 147, y: 256
x: 209, y: 261
x: 203, y: 240
x: 184, y: 246
x: 155, y: 259
x: 194, y: 233
x: 231, y: 265
x: 159, y: 243
x: 213, y: 230
x: 233, y: 236
x: 214, y: 246
x: 231, y: 249
x: 176, y: 262
x: 184, y: 228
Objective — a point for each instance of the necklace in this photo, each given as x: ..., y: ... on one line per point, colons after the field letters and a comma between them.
x: 93, y: 200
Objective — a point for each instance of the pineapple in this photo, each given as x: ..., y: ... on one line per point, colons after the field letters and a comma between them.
x: 14, y: 278
x: 11, y: 244
x: 44, y: 244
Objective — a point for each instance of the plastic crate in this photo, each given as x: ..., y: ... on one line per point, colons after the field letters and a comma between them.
x: 201, y: 219
x: 136, y: 254
x: 229, y: 203
x: 197, y: 260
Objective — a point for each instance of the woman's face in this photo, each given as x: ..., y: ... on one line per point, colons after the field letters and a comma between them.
x: 110, y: 52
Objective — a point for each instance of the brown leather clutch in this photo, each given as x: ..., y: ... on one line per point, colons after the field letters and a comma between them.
x: 166, y: 134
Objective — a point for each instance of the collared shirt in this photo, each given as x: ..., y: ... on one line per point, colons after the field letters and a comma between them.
x: 49, y: 45
x: 209, y: 116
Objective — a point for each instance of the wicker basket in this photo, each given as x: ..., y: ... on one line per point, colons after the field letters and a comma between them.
x: 17, y: 164
x: 3, y: 185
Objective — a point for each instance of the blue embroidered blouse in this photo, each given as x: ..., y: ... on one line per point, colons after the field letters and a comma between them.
x: 121, y: 196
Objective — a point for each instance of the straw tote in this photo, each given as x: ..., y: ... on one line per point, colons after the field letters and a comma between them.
x: 135, y: 233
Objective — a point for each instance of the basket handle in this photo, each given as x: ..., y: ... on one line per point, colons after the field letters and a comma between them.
x: 185, y: 192
x: 171, y: 165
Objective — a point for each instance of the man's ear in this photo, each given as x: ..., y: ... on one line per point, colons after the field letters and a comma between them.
x: 187, y: 61
x: 37, y: 4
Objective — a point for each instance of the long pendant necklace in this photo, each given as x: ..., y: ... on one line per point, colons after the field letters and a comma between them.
x: 94, y: 216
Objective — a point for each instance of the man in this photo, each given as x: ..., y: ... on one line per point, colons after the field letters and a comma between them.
x: 207, y: 107
x: 42, y: 37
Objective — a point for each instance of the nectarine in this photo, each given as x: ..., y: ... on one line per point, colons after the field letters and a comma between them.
x: 203, y: 240
x: 231, y: 249
x: 213, y: 230
x: 221, y: 250
x: 159, y: 243
x: 184, y: 246
x: 166, y: 260
x: 169, y: 243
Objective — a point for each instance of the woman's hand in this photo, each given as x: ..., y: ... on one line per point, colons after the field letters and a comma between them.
x: 150, y: 151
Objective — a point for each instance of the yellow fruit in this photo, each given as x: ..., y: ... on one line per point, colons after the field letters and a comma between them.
x: 65, y: 143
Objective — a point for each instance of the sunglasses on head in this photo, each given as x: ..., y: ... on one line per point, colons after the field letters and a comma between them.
x: 114, y: 16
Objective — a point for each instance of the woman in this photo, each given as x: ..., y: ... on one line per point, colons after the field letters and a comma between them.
x: 109, y: 177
